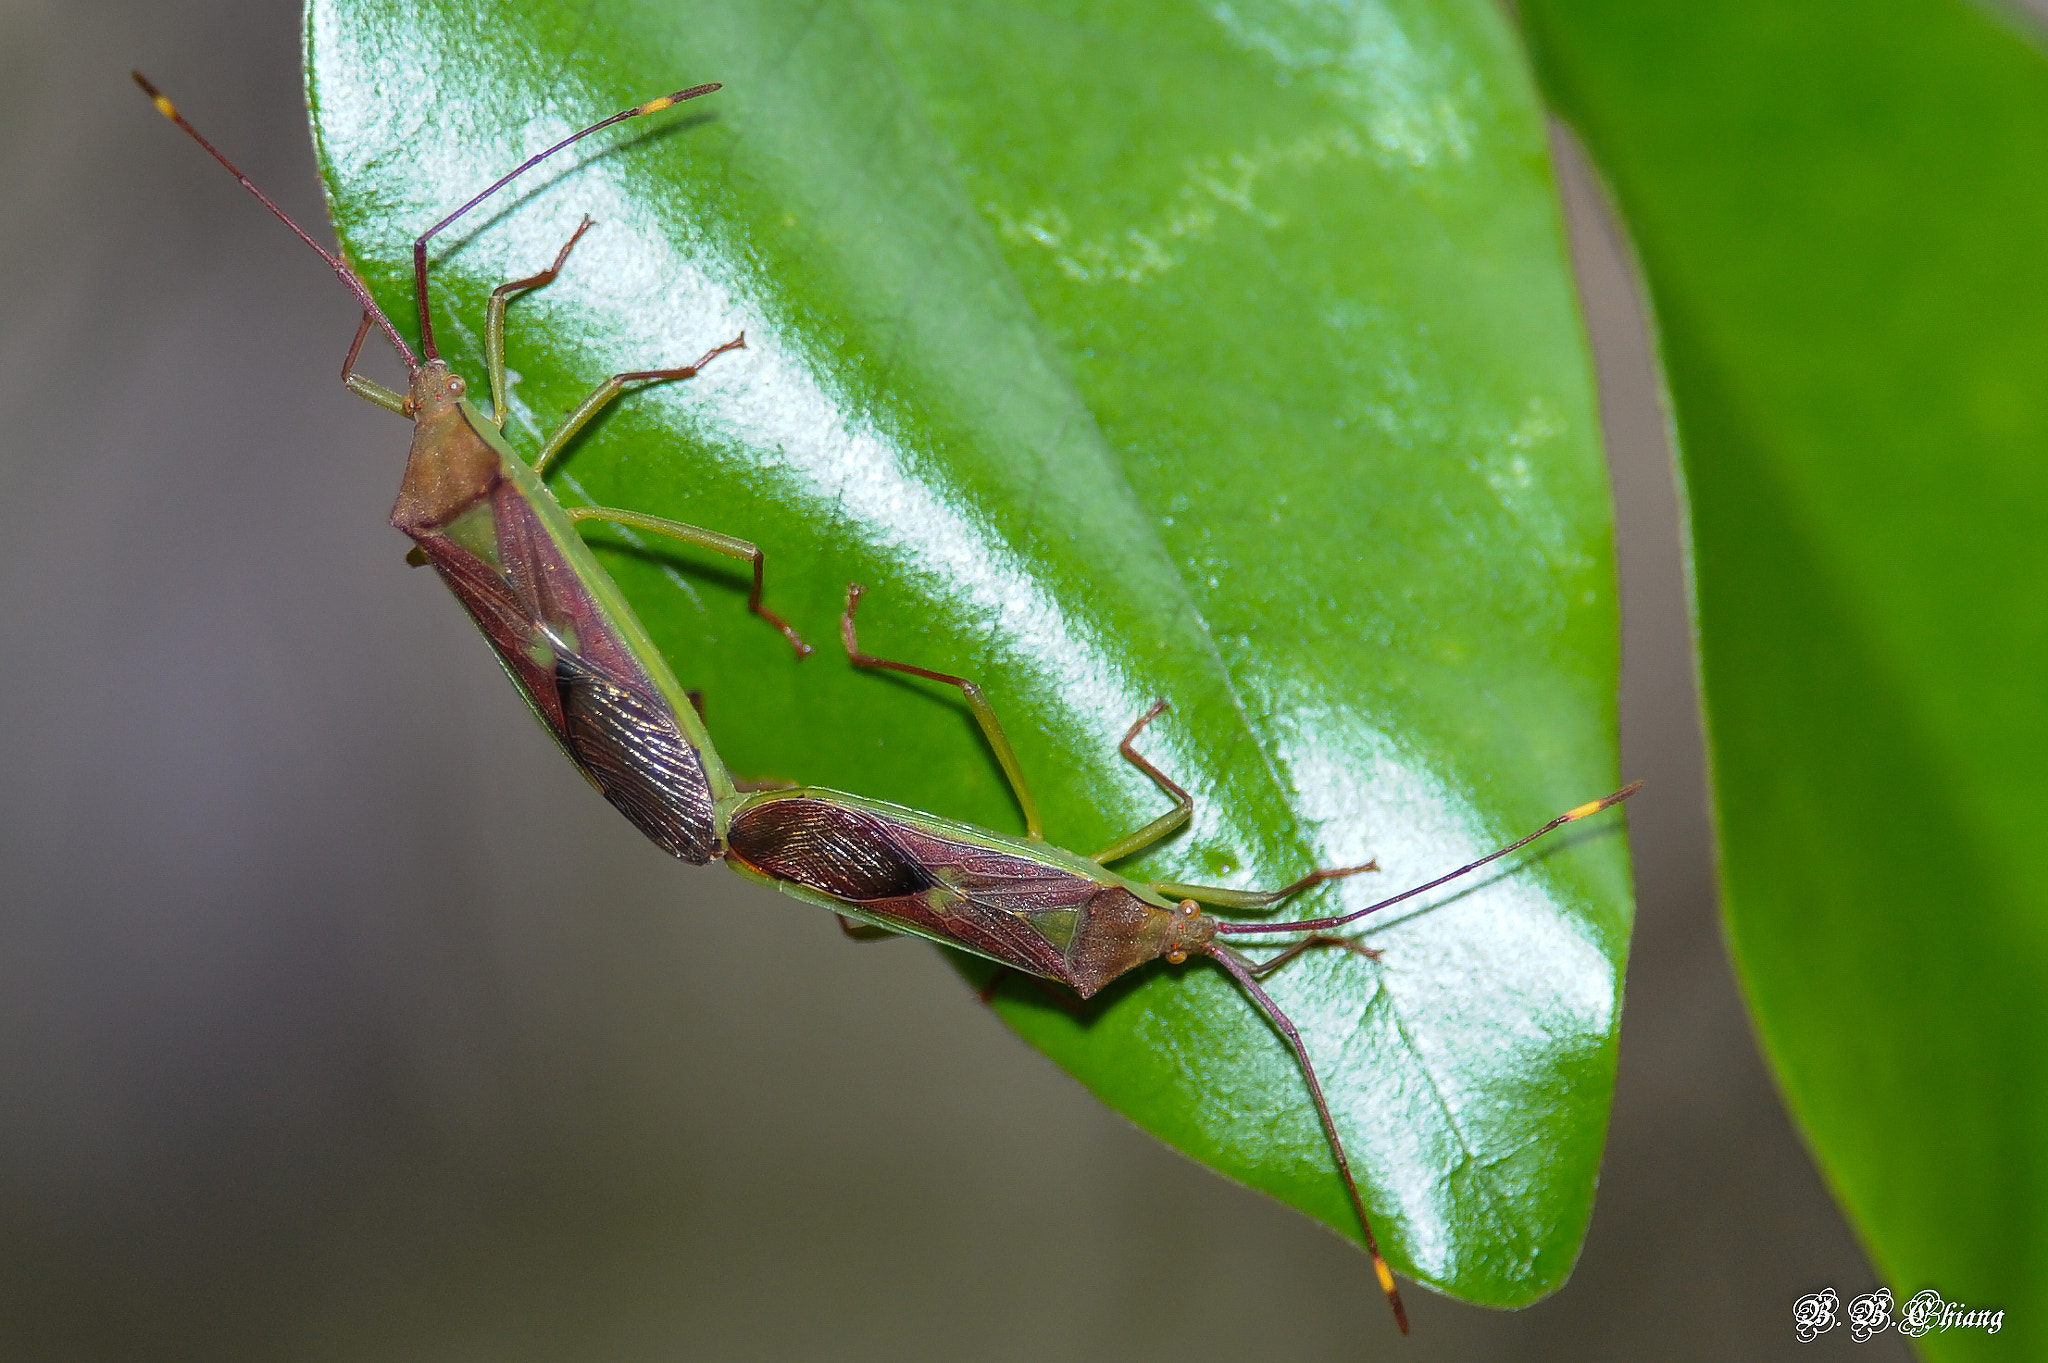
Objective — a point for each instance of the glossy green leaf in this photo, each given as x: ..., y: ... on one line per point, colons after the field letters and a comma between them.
x: 1842, y: 213
x: 1123, y: 351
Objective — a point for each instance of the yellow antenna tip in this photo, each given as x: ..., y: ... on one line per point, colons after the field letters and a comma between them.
x: 1595, y: 806
x: 163, y: 106
x: 655, y: 106
x: 1379, y: 1266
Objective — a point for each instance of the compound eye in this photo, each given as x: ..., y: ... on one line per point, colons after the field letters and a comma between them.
x: 456, y: 386
x: 1188, y: 908
x: 1176, y: 956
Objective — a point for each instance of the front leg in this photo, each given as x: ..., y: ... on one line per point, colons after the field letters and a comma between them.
x: 494, y: 320
x: 977, y: 701
x: 1256, y: 899
x: 1318, y: 939
x: 369, y: 388
x: 864, y: 932
x: 1183, y: 803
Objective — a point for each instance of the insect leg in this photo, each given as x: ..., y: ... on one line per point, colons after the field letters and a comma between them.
x: 1184, y: 803
x: 348, y: 277
x: 864, y: 932
x: 977, y: 701
x: 419, y: 246
x: 616, y: 384
x: 368, y: 388
x: 1572, y: 815
x: 728, y: 545
x: 1242, y: 972
x: 1320, y: 939
x: 494, y: 320
x: 1256, y: 899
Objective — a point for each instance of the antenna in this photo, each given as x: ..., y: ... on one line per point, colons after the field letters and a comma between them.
x: 1323, y: 924
x: 419, y: 247
x: 1246, y: 974
x: 340, y: 267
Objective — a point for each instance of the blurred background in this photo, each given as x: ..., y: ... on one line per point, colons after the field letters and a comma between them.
x: 312, y: 1047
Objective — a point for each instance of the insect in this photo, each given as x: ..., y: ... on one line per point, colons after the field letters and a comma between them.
x: 564, y: 634
x: 510, y: 552
x: 1037, y: 908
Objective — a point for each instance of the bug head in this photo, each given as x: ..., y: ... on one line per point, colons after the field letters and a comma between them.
x: 1188, y: 932
x: 436, y: 390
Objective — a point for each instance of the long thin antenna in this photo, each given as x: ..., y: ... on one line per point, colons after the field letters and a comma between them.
x: 419, y: 248
x: 1323, y: 924
x: 1228, y: 960
x: 340, y: 267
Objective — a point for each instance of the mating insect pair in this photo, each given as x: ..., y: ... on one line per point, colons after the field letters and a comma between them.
x: 485, y: 520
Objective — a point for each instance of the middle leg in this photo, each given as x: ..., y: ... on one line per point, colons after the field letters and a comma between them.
x: 977, y: 701
x: 1183, y: 803
x: 729, y: 545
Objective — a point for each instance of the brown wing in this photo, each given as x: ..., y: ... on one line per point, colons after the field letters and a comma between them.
x: 831, y: 849
x: 505, y: 620
x: 1004, y: 905
x: 582, y: 678
x: 455, y: 476
x: 551, y: 590
x: 630, y: 743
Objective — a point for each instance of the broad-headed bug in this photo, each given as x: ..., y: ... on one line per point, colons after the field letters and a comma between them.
x: 509, y: 550
x: 1036, y: 908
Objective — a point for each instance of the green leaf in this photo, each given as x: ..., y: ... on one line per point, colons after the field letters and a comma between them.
x: 1841, y: 214
x: 1122, y: 352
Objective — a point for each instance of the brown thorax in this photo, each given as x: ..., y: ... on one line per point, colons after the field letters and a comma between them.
x: 452, y: 467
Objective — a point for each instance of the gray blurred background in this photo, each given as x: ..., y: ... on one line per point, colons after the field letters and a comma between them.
x: 310, y: 1049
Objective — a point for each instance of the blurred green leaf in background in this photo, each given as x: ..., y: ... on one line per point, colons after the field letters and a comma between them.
x: 1123, y: 351
x: 1842, y: 216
